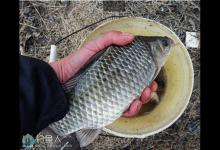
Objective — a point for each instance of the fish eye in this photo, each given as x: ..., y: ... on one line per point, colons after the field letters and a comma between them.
x: 165, y: 42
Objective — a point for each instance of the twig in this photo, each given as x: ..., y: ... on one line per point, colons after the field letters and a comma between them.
x: 42, y: 47
x: 40, y: 17
x: 191, y: 110
x: 197, y: 18
x: 196, y: 6
x: 184, y: 28
x: 56, y: 7
x: 54, y: 11
x: 161, y: 3
x: 28, y: 25
x: 182, y: 14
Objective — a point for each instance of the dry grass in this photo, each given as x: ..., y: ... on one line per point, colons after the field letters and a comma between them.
x: 42, y: 23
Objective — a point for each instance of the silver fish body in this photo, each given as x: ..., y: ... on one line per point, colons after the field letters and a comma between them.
x: 108, y: 86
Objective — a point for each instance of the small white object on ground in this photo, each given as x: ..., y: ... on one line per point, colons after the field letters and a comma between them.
x: 192, y: 40
x: 53, y: 53
x: 21, y: 50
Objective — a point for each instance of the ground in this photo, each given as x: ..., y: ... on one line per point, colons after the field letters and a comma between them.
x: 42, y: 23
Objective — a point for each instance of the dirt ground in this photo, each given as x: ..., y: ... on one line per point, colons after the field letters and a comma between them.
x: 42, y: 23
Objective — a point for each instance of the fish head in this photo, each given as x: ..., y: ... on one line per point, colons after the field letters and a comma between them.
x: 160, y: 48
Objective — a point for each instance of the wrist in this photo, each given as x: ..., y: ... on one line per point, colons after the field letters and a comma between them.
x: 57, y: 67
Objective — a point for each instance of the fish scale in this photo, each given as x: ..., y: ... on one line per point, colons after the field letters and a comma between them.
x: 108, y: 86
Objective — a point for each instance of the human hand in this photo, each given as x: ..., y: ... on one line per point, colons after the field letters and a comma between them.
x: 67, y: 67
x: 145, y: 97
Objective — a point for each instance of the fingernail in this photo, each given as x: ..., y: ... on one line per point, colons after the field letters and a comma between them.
x: 126, y: 34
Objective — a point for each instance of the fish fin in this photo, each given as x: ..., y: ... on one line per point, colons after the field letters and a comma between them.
x: 87, y: 136
x: 69, y: 85
x: 156, y: 73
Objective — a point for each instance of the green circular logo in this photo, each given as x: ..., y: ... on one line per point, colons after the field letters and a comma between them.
x: 28, y: 141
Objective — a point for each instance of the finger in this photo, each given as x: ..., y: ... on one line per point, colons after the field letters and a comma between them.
x: 133, y: 109
x: 145, y: 96
x: 154, y: 86
x: 72, y: 63
x: 109, y: 38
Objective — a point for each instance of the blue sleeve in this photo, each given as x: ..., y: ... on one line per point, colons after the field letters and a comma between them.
x: 42, y: 99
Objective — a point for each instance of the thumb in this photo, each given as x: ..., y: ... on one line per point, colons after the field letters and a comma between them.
x: 109, y: 38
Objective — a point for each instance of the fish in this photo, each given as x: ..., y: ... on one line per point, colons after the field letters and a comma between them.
x: 106, y: 86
